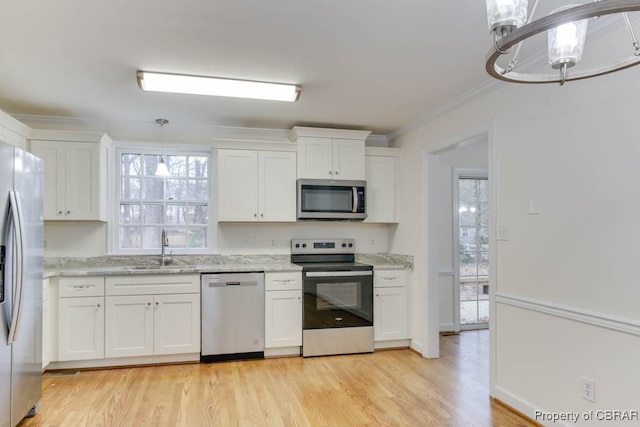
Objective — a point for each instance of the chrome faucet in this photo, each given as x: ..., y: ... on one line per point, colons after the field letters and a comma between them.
x: 164, y: 260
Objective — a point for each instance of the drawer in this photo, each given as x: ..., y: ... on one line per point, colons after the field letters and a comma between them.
x: 153, y: 284
x: 80, y: 287
x: 389, y: 278
x: 283, y: 281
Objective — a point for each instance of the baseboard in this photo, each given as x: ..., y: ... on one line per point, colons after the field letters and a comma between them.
x: 447, y: 327
x: 515, y: 403
x: 389, y: 345
x: 282, y: 352
x: 515, y: 411
x: 125, y: 361
x: 416, y: 346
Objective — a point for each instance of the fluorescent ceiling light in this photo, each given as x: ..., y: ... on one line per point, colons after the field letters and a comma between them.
x: 176, y: 83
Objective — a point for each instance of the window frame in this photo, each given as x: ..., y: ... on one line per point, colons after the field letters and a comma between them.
x: 115, y: 171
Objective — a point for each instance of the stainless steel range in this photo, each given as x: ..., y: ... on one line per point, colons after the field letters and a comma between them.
x: 337, y: 316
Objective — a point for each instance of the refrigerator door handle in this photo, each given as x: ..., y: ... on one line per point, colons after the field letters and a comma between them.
x: 16, y: 223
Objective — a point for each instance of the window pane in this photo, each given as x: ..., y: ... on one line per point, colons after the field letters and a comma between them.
x: 153, y: 189
x: 468, y: 239
x: 198, y: 166
x: 483, y: 264
x: 177, y: 237
x: 177, y: 165
x: 152, y: 237
x: 197, y: 237
x: 129, y: 214
x: 130, y: 188
x: 198, y: 214
x: 151, y: 163
x: 131, y: 164
x: 484, y: 214
x: 175, y: 214
x: 468, y: 264
x: 130, y: 238
x: 198, y: 189
x: 483, y: 238
x: 176, y: 189
x: 153, y: 213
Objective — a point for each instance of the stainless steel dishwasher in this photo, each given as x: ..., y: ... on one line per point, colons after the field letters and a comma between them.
x: 232, y: 316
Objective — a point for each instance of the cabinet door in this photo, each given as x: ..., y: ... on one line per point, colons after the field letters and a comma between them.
x: 80, y: 328
x: 315, y: 158
x: 129, y: 326
x: 390, y: 314
x: 82, y: 185
x: 54, y: 156
x: 176, y: 324
x: 283, y: 318
x: 348, y: 159
x: 237, y: 185
x: 381, y: 188
x: 277, y: 186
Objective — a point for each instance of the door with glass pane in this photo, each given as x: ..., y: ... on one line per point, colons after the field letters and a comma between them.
x: 472, y: 275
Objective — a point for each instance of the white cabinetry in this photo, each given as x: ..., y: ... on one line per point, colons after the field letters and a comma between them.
x: 390, y: 306
x: 75, y: 175
x: 256, y: 185
x: 80, y: 318
x: 283, y: 313
x: 152, y: 315
x: 330, y: 153
x: 382, y: 184
x: 46, y: 325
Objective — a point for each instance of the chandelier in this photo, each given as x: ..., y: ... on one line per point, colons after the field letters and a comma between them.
x: 511, y: 23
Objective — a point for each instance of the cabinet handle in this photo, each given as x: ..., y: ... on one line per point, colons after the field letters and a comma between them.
x: 377, y: 295
x: 68, y: 212
x: 337, y: 173
x: 255, y: 215
x: 330, y: 173
x: 390, y: 278
x: 98, y: 305
x: 261, y: 215
x: 299, y: 298
x: 157, y: 303
x: 59, y: 212
x: 148, y: 303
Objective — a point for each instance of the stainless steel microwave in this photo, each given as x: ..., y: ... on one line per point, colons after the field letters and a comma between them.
x: 329, y: 200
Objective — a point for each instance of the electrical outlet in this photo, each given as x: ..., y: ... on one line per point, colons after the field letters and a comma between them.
x: 273, y: 243
x: 45, y: 243
x: 588, y: 389
x: 502, y: 232
x: 372, y: 243
x: 250, y: 242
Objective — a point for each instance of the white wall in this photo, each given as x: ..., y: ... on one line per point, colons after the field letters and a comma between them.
x: 576, y: 149
x: 474, y: 156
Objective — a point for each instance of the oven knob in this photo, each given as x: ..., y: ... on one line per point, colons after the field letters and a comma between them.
x: 304, y: 245
x: 297, y: 245
x: 344, y: 245
x: 350, y: 245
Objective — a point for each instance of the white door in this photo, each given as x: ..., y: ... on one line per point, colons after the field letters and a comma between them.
x: 176, y: 324
x: 390, y: 313
x: 80, y: 328
x: 129, y: 326
x: 348, y: 159
x: 277, y: 186
x: 82, y: 185
x: 237, y: 185
x: 315, y: 158
x: 283, y: 318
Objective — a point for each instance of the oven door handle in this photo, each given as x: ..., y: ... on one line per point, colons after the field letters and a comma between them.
x: 338, y: 273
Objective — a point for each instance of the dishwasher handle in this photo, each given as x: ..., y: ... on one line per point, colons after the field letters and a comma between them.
x: 213, y: 283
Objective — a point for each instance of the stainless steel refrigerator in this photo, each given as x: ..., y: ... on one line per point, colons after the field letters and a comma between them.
x: 21, y: 249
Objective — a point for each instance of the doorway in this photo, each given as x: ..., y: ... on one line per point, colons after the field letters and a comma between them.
x: 471, y: 248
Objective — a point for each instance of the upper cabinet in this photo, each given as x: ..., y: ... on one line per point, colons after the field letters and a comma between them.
x: 330, y: 153
x: 381, y: 171
x: 75, y: 174
x: 256, y: 185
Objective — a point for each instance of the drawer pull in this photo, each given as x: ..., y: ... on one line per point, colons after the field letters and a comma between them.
x: 285, y: 281
x: 82, y: 286
x: 390, y: 278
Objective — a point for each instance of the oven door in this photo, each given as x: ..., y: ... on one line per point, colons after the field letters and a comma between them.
x: 337, y: 299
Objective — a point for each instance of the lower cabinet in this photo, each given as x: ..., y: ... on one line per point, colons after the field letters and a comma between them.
x: 144, y: 325
x: 80, y: 318
x: 390, y: 305
x: 149, y: 315
x: 283, y: 309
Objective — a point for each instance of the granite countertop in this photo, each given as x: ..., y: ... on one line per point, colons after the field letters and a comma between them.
x: 187, y: 264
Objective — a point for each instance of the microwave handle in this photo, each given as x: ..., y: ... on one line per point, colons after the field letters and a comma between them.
x: 355, y: 199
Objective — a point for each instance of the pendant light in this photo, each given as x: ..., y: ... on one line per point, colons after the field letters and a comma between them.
x: 162, y: 169
x: 566, y: 43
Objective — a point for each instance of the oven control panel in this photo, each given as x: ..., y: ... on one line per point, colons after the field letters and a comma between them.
x: 323, y: 246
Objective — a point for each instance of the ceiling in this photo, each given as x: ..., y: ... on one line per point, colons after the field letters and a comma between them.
x: 362, y: 64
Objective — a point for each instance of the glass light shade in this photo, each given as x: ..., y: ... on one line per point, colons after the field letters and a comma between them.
x: 566, y: 41
x: 162, y: 169
x: 506, y: 14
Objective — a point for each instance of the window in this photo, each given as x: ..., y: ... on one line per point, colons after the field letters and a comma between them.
x: 147, y: 204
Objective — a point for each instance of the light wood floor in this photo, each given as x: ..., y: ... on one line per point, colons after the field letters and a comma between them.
x: 386, y: 388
